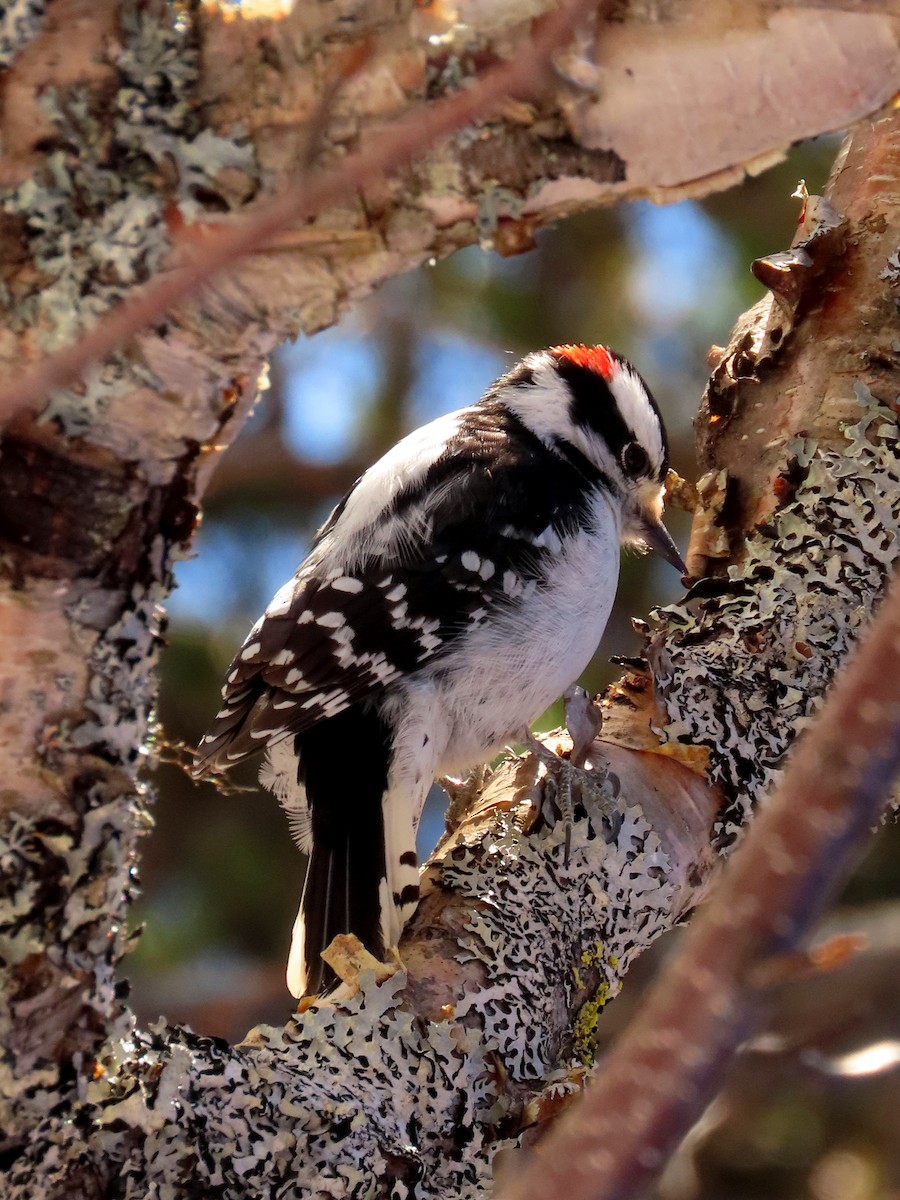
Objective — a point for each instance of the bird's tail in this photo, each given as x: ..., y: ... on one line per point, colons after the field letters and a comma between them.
x: 362, y: 876
x: 340, y: 895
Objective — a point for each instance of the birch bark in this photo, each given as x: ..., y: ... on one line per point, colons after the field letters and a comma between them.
x: 120, y: 124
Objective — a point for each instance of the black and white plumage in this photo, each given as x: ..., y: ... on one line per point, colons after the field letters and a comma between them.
x: 461, y: 585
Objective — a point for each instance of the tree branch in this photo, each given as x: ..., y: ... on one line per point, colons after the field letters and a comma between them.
x: 598, y: 139
x: 387, y: 1086
x: 667, y: 1067
x: 223, y: 245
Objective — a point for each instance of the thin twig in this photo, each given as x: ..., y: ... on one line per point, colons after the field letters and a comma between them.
x: 667, y: 1067
x: 173, y: 752
x: 521, y: 75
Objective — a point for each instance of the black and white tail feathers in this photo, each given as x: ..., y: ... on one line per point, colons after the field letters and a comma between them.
x: 342, y: 778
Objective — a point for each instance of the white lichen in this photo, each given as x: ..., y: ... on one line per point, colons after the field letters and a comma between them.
x: 360, y: 1097
x: 743, y: 672
x: 537, y: 919
x: 363, y: 1098
x: 96, y: 214
x: 20, y: 22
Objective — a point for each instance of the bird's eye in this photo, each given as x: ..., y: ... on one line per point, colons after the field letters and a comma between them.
x: 635, y: 460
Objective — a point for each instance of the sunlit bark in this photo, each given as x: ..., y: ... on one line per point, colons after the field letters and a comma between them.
x: 109, y: 148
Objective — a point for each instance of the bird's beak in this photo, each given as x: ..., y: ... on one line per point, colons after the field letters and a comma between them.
x: 657, y: 537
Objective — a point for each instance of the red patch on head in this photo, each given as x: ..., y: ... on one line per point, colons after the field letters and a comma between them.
x: 595, y: 358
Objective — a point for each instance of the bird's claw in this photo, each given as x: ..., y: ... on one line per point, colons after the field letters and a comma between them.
x: 561, y: 771
x: 583, y: 721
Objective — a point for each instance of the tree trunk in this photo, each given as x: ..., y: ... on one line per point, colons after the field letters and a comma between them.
x: 119, y: 125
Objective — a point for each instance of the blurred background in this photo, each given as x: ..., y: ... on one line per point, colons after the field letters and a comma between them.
x: 811, y: 1109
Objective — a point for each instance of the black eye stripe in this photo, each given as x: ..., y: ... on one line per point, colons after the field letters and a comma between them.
x: 594, y: 406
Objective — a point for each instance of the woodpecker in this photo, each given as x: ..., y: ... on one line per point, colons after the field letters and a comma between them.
x: 461, y: 585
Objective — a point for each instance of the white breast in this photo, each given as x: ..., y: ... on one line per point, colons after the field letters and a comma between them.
x: 504, y: 673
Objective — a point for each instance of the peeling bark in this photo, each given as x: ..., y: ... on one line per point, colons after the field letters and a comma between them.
x: 798, y: 426
x: 410, y: 1086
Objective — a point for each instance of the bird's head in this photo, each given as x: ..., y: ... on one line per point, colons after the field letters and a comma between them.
x: 591, y: 405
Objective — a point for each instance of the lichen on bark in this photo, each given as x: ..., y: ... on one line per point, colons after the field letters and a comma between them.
x: 182, y: 116
x: 743, y: 671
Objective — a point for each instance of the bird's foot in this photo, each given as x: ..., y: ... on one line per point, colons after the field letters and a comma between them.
x: 583, y: 721
x: 570, y: 776
x: 559, y: 776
